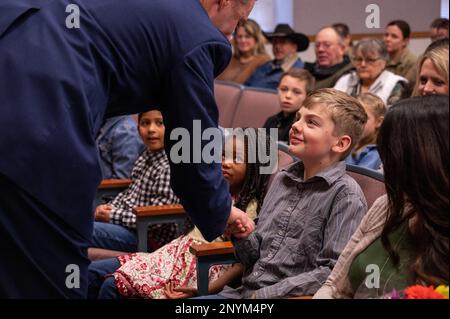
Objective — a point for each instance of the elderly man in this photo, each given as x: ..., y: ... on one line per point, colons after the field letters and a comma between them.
x: 64, y: 68
x: 331, y: 61
x: 285, y: 44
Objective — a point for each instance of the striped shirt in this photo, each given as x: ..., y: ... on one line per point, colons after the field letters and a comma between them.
x: 302, y: 229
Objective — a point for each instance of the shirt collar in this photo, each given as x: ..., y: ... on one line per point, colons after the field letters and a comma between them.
x: 155, y: 156
x: 289, y: 62
x: 329, y: 175
x: 285, y: 64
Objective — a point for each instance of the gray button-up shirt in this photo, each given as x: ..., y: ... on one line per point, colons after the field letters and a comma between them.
x: 302, y: 229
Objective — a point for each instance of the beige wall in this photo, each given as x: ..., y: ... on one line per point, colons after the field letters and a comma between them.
x: 311, y: 15
x: 417, y: 46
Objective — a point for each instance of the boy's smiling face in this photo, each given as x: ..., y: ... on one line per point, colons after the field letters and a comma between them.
x: 311, y: 137
x: 151, y: 130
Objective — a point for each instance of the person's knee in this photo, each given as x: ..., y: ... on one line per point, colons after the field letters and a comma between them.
x: 97, y: 272
x: 108, y: 289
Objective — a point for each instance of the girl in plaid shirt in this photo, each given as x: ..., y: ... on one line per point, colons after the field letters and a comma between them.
x: 115, y: 222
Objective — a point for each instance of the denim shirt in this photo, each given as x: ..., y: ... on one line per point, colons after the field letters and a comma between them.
x: 269, y: 74
x: 119, y: 146
x: 367, y: 157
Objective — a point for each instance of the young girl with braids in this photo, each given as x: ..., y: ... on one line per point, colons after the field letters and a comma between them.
x: 170, y: 272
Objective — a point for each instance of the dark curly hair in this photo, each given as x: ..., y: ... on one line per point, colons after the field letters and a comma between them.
x: 255, y: 183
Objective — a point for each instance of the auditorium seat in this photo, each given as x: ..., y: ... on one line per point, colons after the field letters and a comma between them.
x: 227, y: 95
x: 241, y: 106
x: 254, y: 107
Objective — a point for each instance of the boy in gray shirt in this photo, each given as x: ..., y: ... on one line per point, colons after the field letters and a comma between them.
x: 312, y: 208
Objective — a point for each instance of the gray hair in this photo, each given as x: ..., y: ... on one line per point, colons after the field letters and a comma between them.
x: 370, y: 46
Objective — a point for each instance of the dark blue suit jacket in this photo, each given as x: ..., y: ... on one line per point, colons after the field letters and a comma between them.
x: 56, y: 84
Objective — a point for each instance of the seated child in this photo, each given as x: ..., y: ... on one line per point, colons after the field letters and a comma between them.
x: 161, y: 273
x: 312, y: 207
x: 365, y: 152
x: 292, y: 90
x: 404, y: 236
x: 150, y: 185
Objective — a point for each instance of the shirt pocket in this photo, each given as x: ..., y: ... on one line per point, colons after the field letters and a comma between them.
x: 307, y: 239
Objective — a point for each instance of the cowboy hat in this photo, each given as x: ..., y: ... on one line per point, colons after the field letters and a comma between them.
x: 285, y: 31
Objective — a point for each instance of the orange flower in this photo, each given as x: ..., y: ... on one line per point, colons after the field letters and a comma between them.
x: 421, y: 292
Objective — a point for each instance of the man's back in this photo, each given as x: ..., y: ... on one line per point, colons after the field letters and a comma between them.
x: 56, y: 85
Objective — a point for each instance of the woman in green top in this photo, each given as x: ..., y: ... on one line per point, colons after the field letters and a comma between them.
x: 403, y: 239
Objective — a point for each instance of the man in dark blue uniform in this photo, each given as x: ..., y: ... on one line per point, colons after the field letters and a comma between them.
x: 57, y: 82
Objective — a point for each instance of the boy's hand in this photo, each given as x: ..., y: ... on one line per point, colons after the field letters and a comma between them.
x: 239, y: 224
x: 103, y: 213
x: 180, y: 292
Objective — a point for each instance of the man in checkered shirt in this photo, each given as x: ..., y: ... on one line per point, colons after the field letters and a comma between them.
x: 115, y: 222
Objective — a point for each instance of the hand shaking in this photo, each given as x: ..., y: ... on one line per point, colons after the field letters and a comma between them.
x: 239, y: 224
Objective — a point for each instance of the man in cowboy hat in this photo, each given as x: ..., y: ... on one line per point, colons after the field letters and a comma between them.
x: 285, y: 43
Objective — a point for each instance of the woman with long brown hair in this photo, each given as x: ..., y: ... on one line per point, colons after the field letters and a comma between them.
x: 403, y: 240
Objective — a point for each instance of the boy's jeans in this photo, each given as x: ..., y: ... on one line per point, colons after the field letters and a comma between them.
x: 114, y: 237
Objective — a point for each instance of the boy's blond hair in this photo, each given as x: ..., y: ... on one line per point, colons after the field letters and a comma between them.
x: 347, y: 113
x: 374, y: 103
x: 378, y: 108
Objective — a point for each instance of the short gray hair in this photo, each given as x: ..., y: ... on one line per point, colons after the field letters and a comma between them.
x: 369, y: 46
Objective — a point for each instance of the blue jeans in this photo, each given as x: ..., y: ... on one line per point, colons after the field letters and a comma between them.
x: 98, y: 270
x: 114, y: 237
x: 108, y: 290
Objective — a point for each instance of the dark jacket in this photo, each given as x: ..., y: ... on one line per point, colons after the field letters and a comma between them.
x: 56, y: 85
x: 268, y: 75
x: 327, y: 77
x: 282, y: 123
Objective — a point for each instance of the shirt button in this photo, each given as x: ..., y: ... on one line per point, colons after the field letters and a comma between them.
x: 255, y: 273
x: 280, y: 232
x: 270, y: 255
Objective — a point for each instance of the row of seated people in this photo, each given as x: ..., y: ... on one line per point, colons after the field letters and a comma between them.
x: 311, y: 211
x: 120, y: 145
x: 335, y: 57
x: 296, y: 84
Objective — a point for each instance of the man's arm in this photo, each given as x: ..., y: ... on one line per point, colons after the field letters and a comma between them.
x: 189, y: 91
x: 345, y: 217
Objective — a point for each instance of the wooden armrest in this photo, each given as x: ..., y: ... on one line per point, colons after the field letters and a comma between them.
x: 302, y: 297
x: 147, y: 211
x: 219, y: 248
x: 114, y: 183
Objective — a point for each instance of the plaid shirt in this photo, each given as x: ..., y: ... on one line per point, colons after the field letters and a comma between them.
x: 150, y: 186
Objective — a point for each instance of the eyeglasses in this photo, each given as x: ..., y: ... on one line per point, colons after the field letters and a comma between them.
x: 359, y: 60
x: 325, y: 45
